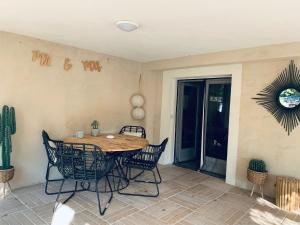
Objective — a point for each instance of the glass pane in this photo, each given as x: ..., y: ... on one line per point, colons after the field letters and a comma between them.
x: 217, y: 120
x: 189, y: 116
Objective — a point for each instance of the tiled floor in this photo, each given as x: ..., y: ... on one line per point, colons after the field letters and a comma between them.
x: 186, y: 198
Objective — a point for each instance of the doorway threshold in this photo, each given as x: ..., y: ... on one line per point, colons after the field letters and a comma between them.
x: 191, y: 164
x: 223, y: 177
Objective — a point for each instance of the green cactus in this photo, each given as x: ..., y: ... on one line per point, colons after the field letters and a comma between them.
x: 7, y: 128
x: 6, y: 148
x: 12, y: 120
x: 257, y: 165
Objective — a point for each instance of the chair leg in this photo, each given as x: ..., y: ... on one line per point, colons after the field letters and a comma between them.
x: 122, y: 176
x: 102, y: 211
x: 160, y: 179
x: 152, y: 182
x: 126, y: 172
x: 61, y: 192
x: 57, y: 197
x: 53, y: 180
x: 113, y: 178
x: 47, y: 180
x: 145, y: 195
x: 136, y: 176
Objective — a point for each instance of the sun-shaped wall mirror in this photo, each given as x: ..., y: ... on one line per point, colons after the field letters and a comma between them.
x: 282, y: 98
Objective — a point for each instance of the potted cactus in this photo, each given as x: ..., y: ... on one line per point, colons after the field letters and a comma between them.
x: 257, y: 173
x: 7, y: 128
x: 95, y: 128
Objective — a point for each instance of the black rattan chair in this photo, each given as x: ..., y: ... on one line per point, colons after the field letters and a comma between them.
x: 145, y: 160
x: 138, y: 131
x: 51, y: 147
x: 88, y: 167
x: 133, y: 129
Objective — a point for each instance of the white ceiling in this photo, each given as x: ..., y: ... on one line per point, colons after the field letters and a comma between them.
x: 168, y: 28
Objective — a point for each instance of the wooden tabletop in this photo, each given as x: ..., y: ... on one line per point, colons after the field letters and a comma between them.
x: 119, y: 143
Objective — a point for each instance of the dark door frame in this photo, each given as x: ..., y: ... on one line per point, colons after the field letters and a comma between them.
x: 178, y: 132
x: 179, y: 112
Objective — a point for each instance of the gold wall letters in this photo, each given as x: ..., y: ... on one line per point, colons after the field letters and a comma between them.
x: 67, y: 64
x: 91, y: 65
x: 43, y: 58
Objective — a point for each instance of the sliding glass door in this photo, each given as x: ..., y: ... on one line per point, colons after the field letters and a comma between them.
x: 188, y: 126
x: 202, y: 121
x: 216, y: 123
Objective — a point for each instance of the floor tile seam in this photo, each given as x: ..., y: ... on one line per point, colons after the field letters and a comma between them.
x: 213, y: 222
x: 78, y: 204
x: 192, y: 211
x: 97, y: 215
x: 201, y: 184
x: 238, y: 194
x: 244, y: 215
x: 126, y: 205
x: 180, y: 185
x: 177, y: 176
x: 23, y: 203
x: 152, y: 204
x: 197, y: 204
x: 123, y: 201
x: 174, y: 194
x: 246, y: 212
x: 106, y: 219
x: 186, y: 208
x: 286, y: 216
x: 138, y: 210
x: 12, y: 213
x: 31, y: 219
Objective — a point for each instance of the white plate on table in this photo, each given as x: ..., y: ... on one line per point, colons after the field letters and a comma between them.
x: 110, y: 136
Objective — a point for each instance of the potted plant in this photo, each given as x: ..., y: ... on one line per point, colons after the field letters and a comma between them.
x: 95, y: 128
x: 7, y: 128
x: 257, y: 174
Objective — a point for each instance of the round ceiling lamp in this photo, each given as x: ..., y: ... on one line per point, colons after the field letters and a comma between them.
x: 126, y: 25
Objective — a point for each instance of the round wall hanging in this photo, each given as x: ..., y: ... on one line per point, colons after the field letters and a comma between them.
x: 138, y: 113
x: 137, y: 100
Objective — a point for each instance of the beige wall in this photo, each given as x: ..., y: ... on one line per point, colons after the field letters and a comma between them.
x: 260, y: 136
x: 151, y: 88
x: 63, y: 102
x: 58, y: 101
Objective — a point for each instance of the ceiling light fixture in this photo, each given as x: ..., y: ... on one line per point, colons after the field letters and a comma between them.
x: 126, y: 25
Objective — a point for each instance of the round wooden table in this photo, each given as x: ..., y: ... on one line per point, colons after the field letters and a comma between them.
x: 118, y: 146
x: 120, y: 142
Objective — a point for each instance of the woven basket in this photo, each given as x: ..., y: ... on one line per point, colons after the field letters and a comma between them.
x: 7, y: 174
x: 255, y: 177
